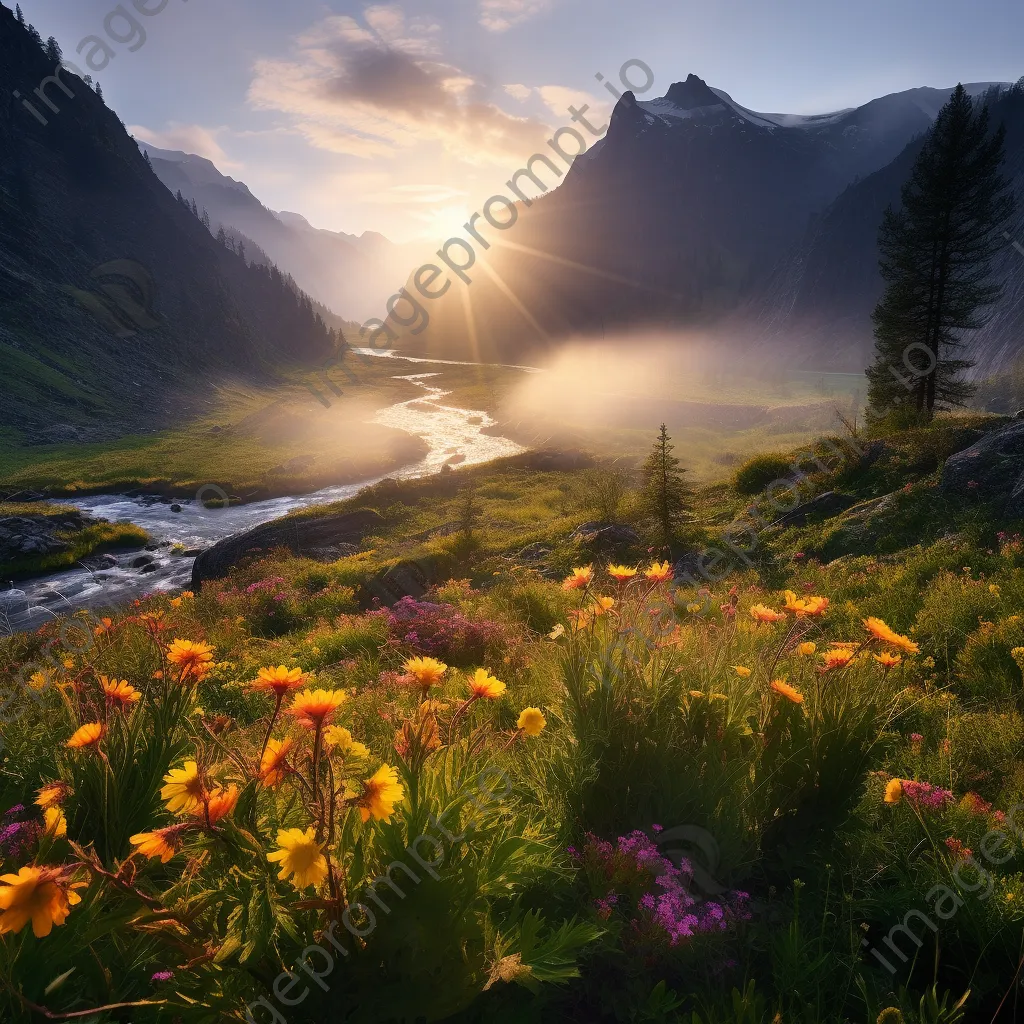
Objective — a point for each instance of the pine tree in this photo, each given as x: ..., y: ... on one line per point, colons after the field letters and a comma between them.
x: 145, y: 156
x: 53, y: 51
x: 18, y: 14
x: 34, y: 35
x: 663, y: 495
x: 222, y: 236
x: 936, y: 255
x: 99, y: 91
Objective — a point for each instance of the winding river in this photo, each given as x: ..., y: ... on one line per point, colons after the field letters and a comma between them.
x: 453, y: 436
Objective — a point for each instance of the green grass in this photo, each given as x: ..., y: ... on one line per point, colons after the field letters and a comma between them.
x: 90, y: 540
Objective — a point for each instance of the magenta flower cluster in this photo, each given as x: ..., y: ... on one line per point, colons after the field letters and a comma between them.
x: 440, y: 630
x: 924, y: 794
x: 17, y: 837
x: 633, y: 875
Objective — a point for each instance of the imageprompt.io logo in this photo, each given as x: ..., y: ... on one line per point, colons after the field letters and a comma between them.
x: 120, y: 297
x: 700, y: 849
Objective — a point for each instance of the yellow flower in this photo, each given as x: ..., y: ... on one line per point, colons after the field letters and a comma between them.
x: 69, y: 662
x: 621, y: 573
x: 56, y: 823
x: 603, y: 604
x: 887, y: 659
x: 162, y: 842
x: 279, y: 680
x: 994, y: 589
x: 337, y: 737
x: 806, y: 648
x: 483, y: 684
x: 39, y: 680
x: 175, y: 602
x: 380, y: 794
x: 119, y: 692
x: 894, y: 791
x: 693, y: 607
x: 762, y: 613
x: 838, y: 657
x: 741, y: 670
x: 580, y: 577
x: 426, y: 671
x: 184, y: 790
x: 86, y: 735
x: 659, y: 572
x: 187, y: 595
x: 805, y: 606
x: 783, y: 689
x: 192, y: 659
x: 312, y: 708
x: 531, y: 721
x: 39, y: 895
x: 300, y: 856
x: 52, y: 794
x: 877, y: 628
x: 272, y: 762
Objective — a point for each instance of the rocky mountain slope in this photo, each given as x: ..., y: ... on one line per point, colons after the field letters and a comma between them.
x: 678, y: 216
x: 117, y: 306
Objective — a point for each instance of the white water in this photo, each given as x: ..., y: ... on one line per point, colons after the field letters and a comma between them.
x: 453, y: 436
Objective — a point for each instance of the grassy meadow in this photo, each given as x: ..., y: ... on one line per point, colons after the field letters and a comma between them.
x: 553, y: 786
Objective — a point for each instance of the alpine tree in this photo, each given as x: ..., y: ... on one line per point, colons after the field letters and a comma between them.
x: 936, y: 257
x: 18, y: 14
x: 663, y: 492
x: 53, y: 50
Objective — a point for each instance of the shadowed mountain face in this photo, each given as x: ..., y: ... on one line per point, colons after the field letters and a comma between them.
x: 352, y: 274
x: 678, y: 216
x: 820, y: 298
x: 116, y: 304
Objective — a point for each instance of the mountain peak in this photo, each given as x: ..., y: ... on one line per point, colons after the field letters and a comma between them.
x: 691, y: 94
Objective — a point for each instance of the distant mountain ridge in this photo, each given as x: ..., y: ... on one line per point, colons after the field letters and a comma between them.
x: 351, y: 274
x: 822, y: 293
x: 679, y: 216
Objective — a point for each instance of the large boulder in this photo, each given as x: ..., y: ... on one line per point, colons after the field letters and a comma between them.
x: 302, y: 535
x: 603, y: 536
x: 991, y: 469
x: 831, y: 503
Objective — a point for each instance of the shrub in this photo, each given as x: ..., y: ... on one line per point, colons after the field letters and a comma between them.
x: 757, y: 473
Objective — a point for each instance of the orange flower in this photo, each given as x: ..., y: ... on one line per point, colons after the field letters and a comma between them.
x: 483, y: 684
x: 162, y: 842
x: 894, y: 791
x: 741, y: 670
x: 603, y: 604
x: 86, y: 735
x: 192, y: 659
x: 581, y: 618
x: 580, y: 577
x: 806, y: 648
x: 805, y: 606
x: 783, y: 689
x: 272, y: 762
x: 839, y: 657
x: 104, y: 625
x: 878, y: 629
x: 621, y: 573
x: 312, y: 708
x: 119, y: 692
x: 659, y: 572
x: 280, y: 680
x: 762, y: 613
x: 888, y: 659
x: 53, y: 794
x: 221, y: 803
x: 39, y: 895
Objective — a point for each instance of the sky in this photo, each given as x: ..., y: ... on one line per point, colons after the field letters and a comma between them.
x: 403, y: 117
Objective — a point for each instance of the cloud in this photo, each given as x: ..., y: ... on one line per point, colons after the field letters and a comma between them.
x: 519, y: 92
x: 501, y: 15
x: 189, y: 138
x: 379, y: 89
